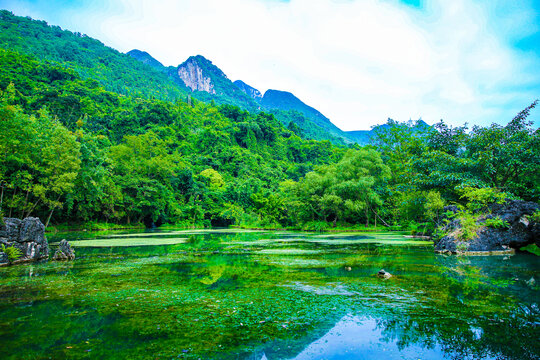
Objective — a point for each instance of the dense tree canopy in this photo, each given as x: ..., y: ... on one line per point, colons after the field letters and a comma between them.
x: 79, y: 146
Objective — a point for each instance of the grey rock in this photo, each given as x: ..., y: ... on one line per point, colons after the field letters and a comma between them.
x: 3, y: 258
x: 383, y: 274
x: 31, y: 229
x: 10, y: 229
x: 521, y: 231
x: 64, y: 251
x: 27, y: 235
x: 193, y: 76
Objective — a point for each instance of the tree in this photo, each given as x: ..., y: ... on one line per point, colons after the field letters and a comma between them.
x: 510, y: 155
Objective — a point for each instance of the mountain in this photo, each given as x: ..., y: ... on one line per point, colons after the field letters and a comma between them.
x: 90, y: 58
x: 250, y: 91
x: 147, y: 59
x: 286, y: 101
x: 139, y: 74
x: 363, y: 137
x: 207, y: 83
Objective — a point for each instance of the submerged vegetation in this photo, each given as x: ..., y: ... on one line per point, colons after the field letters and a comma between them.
x: 240, y: 294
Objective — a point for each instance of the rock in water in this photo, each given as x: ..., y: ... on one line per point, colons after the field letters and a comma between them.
x: 521, y: 230
x: 27, y: 235
x: 64, y: 251
x: 383, y: 274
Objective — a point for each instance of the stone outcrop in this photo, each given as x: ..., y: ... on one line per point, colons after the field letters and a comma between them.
x: 383, y: 274
x: 193, y: 76
x: 27, y: 235
x: 64, y: 252
x: 520, y: 232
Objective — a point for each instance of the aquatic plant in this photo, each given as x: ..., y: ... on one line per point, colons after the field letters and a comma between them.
x: 113, y: 242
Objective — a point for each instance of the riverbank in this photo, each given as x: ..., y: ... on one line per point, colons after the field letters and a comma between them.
x: 91, y: 226
x: 310, y: 227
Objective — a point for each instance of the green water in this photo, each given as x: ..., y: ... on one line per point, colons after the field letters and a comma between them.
x: 268, y: 295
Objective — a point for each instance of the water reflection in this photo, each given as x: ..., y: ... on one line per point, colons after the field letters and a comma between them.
x: 274, y: 295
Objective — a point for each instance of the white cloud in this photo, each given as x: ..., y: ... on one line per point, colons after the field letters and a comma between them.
x: 358, y: 62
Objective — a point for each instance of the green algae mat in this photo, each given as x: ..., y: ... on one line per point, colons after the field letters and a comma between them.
x: 232, y: 294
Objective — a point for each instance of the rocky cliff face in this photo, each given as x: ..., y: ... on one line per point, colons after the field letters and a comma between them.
x: 193, y: 76
x: 27, y: 235
x: 250, y: 91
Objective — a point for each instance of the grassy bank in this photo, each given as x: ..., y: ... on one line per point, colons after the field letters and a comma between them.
x: 92, y: 226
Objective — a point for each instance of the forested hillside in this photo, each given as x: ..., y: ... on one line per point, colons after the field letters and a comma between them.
x: 73, y: 150
x: 88, y: 57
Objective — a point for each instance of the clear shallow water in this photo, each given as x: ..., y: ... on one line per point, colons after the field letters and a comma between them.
x: 268, y: 295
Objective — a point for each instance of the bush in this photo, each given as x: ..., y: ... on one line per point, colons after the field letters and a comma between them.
x: 462, y: 247
x: 317, y: 226
x: 535, y: 217
x: 497, y: 223
x: 469, y: 227
x: 478, y: 199
x: 12, y: 253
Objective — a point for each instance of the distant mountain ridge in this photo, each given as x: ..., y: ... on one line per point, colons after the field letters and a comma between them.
x: 138, y: 74
x: 251, y: 91
x: 364, y: 137
x: 210, y: 83
x: 147, y: 59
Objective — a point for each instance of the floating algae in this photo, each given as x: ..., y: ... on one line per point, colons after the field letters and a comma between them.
x: 119, y: 242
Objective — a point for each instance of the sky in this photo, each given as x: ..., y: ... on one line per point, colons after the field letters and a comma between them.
x: 359, y: 62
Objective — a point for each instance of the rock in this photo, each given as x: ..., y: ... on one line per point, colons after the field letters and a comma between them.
x: 10, y: 229
x: 31, y: 229
x: 521, y: 232
x: 383, y: 274
x: 64, y: 252
x: 3, y: 258
x: 450, y: 208
x: 194, y: 76
x: 27, y: 235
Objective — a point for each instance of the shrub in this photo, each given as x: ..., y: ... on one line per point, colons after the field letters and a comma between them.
x: 497, y: 223
x: 469, y: 227
x: 461, y: 247
x: 535, y: 217
x: 12, y: 253
x: 317, y: 226
x: 480, y: 198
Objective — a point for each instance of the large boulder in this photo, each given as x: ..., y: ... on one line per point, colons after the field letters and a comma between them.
x: 27, y: 235
x: 10, y: 229
x: 521, y: 231
x: 64, y: 251
x: 31, y: 229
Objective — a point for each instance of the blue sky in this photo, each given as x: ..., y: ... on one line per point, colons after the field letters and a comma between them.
x: 357, y: 61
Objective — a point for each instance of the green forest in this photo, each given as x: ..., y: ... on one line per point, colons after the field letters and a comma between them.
x: 92, y: 136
